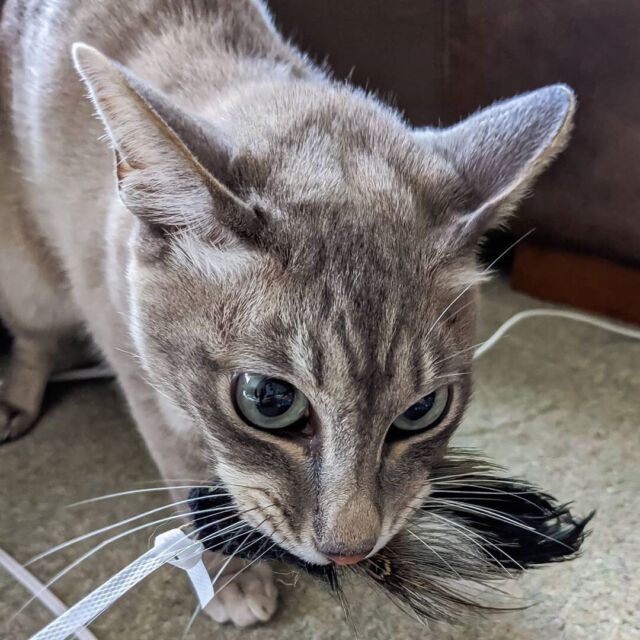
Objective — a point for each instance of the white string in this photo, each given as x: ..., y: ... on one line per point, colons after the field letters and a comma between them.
x: 586, y: 318
x: 34, y: 586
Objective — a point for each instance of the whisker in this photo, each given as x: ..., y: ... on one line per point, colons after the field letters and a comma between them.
x: 221, y: 532
x: 488, y: 491
x: 87, y: 555
x: 231, y: 557
x: 433, y: 550
x: 247, y: 566
x: 265, y: 540
x: 95, y: 532
x: 496, y: 515
x: 480, y: 476
x: 119, y: 494
x: 470, y: 535
x: 483, y: 272
x: 457, y: 353
x: 484, y: 489
x: 196, y: 545
x: 192, y: 619
x: 459, y: 374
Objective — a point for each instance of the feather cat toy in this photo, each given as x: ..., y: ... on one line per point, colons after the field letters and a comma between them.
x: 474, y: 528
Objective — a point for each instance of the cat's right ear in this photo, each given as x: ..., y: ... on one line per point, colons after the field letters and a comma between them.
x: 160, y: 179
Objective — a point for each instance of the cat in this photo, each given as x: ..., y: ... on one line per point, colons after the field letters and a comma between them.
x: 281, y: 270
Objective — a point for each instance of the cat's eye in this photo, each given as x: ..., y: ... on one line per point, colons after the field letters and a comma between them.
x: 423, y: 415
x: 269, y: 403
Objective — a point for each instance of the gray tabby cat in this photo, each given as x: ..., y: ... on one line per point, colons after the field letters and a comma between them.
x: 280, y: 270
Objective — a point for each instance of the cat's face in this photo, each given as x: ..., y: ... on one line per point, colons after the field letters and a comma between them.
x: 363, y: 322
x: 311, y: 306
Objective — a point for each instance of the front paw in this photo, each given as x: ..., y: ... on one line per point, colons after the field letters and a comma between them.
x: 14, y: 422
x: 248, y: 598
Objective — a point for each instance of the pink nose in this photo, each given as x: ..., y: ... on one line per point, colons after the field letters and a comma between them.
x: 347, y: 560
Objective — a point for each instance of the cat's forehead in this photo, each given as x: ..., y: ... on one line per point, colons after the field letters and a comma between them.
x: 369, y: 348
x: 340, y: 149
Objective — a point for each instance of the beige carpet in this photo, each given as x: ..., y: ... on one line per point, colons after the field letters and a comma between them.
x: 556, y: 402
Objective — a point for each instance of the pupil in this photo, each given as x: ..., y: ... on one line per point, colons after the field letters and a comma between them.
x: 420, y: 408
x: 274, y: 397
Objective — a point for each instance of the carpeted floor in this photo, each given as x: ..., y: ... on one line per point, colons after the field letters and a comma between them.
x: 556, y: 402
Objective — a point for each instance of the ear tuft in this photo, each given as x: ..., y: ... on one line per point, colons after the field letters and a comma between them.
x: 86, y: 58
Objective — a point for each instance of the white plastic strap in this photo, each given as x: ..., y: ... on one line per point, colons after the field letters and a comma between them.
x: 172, y: 547
x: 187, y: 555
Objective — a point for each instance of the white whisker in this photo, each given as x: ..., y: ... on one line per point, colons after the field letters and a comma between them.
x: 106, y: 528
x: 231, y: 557
x: 119, y: 494
x: 486, y: 271
x: 433, y: 550
x: 500, y: 517
x: 471, y: 535
x: 247, y: 566
x: 489, y: 491
x: 192, y: 619
x: 85, y: 556
x: 109, y: 541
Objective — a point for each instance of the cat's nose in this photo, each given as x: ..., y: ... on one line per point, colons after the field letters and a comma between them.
x: 347, y: 532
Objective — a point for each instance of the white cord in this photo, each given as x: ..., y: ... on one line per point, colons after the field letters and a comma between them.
x: 613, y: 327
x: 34, y: 586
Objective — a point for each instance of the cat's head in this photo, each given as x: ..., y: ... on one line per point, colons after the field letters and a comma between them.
x: 303, y: 285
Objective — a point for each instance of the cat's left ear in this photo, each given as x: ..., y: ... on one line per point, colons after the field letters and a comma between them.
x: 499, y: 151
x: 172, y: 170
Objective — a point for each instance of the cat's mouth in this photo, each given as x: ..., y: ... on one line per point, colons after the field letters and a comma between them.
x: 475, y: 527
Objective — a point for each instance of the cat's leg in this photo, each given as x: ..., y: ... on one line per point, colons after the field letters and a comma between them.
x: 251, y: 595
x: 24, y: 382
x: 34, y: 306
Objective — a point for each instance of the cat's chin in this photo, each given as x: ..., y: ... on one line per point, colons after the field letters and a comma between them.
x: 306, y: 554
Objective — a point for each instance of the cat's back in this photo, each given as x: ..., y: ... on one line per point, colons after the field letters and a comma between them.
x: 119, y: 27
x: 185, y: 46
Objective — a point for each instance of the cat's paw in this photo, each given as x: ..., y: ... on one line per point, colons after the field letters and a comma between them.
x: 249, y: 598
x: 14, y: 423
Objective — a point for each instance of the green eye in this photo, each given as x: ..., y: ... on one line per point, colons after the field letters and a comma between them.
x: 424, y: 414
x: 269, y: 403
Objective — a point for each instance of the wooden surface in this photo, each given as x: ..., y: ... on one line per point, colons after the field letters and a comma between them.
x: 586, y: 282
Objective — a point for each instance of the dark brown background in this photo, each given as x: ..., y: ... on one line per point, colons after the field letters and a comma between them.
x: 441, y: 59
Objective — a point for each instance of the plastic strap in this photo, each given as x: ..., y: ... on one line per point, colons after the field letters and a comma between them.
x: 172, y: 547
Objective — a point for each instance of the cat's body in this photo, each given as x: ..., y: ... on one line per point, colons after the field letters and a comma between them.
x: 275, y: 222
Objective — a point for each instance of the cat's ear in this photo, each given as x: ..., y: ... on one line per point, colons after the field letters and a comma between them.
x: 500, y: 150
x: 160, y: 178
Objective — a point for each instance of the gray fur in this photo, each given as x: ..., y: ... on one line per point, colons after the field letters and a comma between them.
x: 260, y: 217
